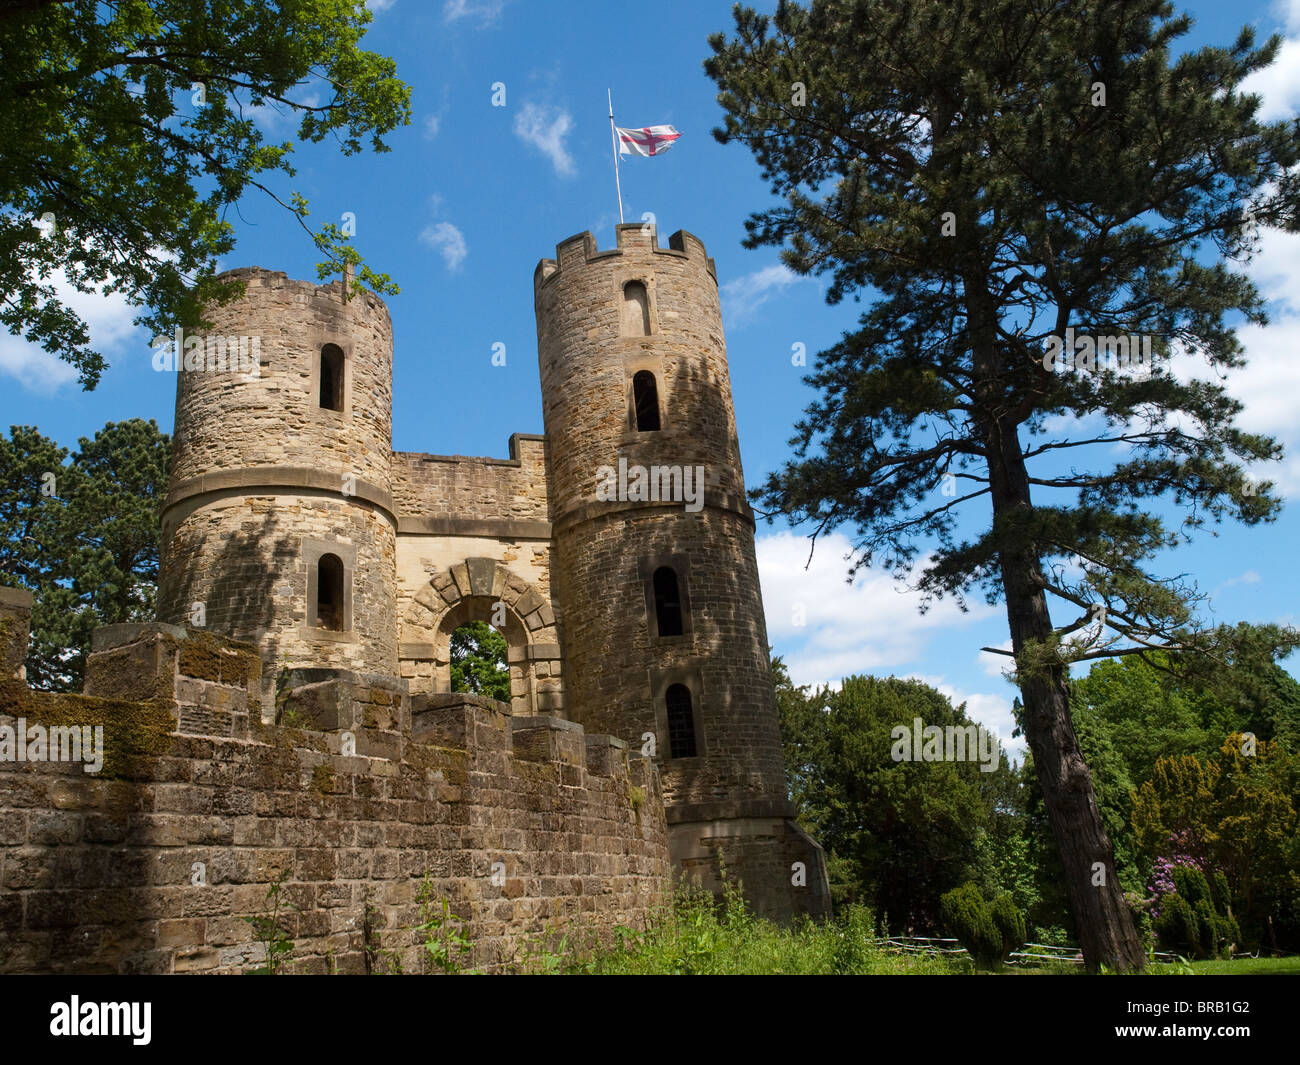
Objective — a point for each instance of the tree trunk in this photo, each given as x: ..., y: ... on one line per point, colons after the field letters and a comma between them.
x: 1104, y: 922
x: 1103, y: 919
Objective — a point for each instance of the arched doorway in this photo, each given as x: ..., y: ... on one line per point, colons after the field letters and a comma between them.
x: 486, y: 591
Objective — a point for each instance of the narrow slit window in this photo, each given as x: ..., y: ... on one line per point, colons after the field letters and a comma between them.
x: 331, y: 377
x: 636, y: 310
x: 329, y: 593
x: 668, y: 602
x: 681, y: 722
x: 645, y: 395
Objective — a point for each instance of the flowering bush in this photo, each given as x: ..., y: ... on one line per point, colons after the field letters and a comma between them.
x: 1162, y: 877
x: 1190, y: 905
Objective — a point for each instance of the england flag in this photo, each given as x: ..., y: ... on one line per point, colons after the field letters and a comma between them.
x: 652, y: 140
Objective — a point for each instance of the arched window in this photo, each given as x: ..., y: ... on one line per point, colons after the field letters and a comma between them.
x: 668, y: 602
x: 331, y: 377
x: 681, y: 722
x: 329, y: 593
x: 645, y: 395
x: 636, y: 310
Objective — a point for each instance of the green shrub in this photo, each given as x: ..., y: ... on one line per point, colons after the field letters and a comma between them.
x: 966, y: 915
x: 1009, y: 922
x: 854, y: 951
x: 1197, y: 920
x: 1178, y: 927
x: 1191, y: 884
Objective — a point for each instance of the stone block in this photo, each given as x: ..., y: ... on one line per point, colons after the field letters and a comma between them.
x: 549, y: 739
x: 329, y: 705
x: 458, y: 720
x: 482, y: 575
x: 606, y: 756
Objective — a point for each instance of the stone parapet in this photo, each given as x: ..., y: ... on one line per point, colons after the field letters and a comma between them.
x: 355, y: 797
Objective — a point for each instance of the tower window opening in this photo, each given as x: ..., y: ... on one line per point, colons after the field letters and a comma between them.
x: 668, y: 602
x: 329, y: 593
x: 636, y: 310
x: 681, y: 722
x: 645, y: 395
x: 331, y: 377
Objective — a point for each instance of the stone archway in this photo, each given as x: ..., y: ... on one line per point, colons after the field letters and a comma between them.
x: 485, y: 589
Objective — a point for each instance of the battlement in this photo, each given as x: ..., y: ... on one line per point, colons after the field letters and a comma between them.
x: 631, y: 238
x: 151, y: 862
x: 474, y: 492
x: 257, y: 277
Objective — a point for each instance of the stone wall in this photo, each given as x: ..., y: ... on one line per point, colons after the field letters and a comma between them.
x: 527, y: 825
x: 603, y: 319
x: 618, y: 665
x: 618, y: 669
x: 232, y: 422
x: 458, y: 513
x: 473, y: 489
x: 264, y: 480
x: 248, y: 559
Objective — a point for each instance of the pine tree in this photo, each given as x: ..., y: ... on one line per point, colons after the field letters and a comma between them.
x: 992, y: 175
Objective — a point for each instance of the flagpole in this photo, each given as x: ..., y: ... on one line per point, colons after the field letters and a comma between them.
x: 614, y: 138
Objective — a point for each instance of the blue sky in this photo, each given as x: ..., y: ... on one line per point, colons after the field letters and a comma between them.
x: 472, y: 195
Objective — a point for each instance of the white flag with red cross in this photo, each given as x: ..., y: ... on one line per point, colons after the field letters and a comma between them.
x: 651, y: 140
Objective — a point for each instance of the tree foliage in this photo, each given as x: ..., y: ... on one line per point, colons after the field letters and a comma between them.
x: 478, y: 661
x: 897, y: 834
x: 1236, y: 814
x: 1147, y: 713
x: 130, y: 128
x: 954, y: 162
x: 82, y: 533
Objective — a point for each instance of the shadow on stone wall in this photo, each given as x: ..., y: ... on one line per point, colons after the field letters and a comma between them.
x: 242, y: 602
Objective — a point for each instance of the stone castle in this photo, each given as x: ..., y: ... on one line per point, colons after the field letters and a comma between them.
x: 311, y: 581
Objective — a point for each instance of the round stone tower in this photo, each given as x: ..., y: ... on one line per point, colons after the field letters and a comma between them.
x: 653, y: 569
x: 278, y: 526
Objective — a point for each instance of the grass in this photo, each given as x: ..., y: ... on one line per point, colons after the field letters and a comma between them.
x: 697, y: 936
x: 1239, y: 966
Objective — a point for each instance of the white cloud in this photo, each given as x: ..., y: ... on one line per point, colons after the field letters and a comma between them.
x: 484, y: 12
x: 742, y: 297
x: 1269, y: 382
x: 432, y: 124
x: 37, y: 370
x: 996, y: 665
x: 1279, y: 83
x: 108, y: 319
x: 1249, y: 577
x: 380, y: 5
x: 869, y: 626
x: 449, y: 241
x: 545, y: 128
